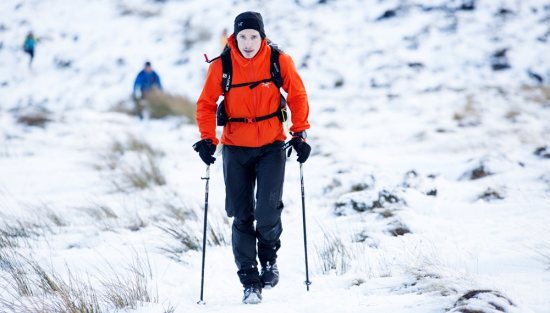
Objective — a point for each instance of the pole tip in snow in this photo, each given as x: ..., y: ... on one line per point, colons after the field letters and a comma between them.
x: 307, y: 283
x: 206, y: 57
x: 200, y: 302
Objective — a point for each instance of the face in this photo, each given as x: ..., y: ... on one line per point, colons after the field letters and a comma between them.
x: 249, y: 42
x: 148, y: 69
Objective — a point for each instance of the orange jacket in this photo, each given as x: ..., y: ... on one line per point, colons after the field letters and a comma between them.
x: 245, y: 102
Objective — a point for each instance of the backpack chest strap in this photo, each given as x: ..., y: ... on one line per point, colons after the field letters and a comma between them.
x: 252, y: 85
x: 250, y: 120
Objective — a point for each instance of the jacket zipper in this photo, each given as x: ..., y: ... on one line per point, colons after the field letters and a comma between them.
x: 255, y: 104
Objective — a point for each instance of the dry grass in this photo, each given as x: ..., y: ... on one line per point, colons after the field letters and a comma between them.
x: 333, y: 254
x: 125, y: 9
x: 359, y: 187
x: 47, y: 216
x: 387, y: 213
x: 38, y: 117
x: 399, y: 230
x: 145, y: 174
x: 539, y: 94
x: 15, y: 231
x: 334, y: 184
x: 31, y: 287
x: 127, y: 288
x: 100, y: 211
x: 131, y: 164
x: 468, y: 115
x: 170, y: 308
x: 188, y: 239
x: 180, y: 212
x: 194, y: 34
x: 124, y: 107
x: 188, y: 235
x: 217, y: 235
x: 160, y: 105
x: 491, y: 194
x: 477, y: 173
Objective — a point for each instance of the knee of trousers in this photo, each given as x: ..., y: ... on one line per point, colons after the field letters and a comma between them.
x: 242, y: 224
x: 269, y: 234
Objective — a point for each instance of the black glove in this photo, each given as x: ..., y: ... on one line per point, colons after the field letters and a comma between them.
x: 301, y: 147
x: 206, y: 149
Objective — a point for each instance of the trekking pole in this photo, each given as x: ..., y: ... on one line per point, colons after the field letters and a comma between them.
x: 207, y: 178
x: 307, y: 282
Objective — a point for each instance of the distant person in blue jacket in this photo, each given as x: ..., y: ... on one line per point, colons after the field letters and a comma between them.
x: 29, y: 44
x: 147, y: 80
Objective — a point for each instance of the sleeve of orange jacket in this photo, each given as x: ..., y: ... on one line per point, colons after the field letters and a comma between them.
x: 207, y: 103
x: 297, y: 96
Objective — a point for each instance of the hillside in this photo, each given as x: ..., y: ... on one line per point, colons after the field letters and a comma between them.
x: 427, y: 189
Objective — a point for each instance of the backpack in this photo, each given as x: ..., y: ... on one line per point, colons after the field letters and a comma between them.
x: 227, y: 69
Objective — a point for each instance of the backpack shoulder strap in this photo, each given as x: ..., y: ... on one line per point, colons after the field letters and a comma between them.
x: 227, y: 69
x: 275, y: 66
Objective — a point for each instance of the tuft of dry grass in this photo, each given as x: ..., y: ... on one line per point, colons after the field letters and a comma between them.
x: 124, y: 9
x: 186, y: 237
x: 334, y: 184
x: 432, y: 193
x: 399, y: 231
x: 38, y: 117
x: 478, y: 172
x: 189, y: 237
x: 359, y: 187
x: 100, y: 211
x: 144, y: 175
x: 386, y: 213
x: 468, y: 115
x: 131, y: 164
x: 539, y: 94
x: 490, y: 194
x: 31, y: 287
x: 160, y: 105
x: 126, y: 289
x: 181, y: 212
x: 333, y: 253
x: 217, y: 235
x: 170, y: 308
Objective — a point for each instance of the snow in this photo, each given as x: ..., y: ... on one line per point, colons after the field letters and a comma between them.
x: 418, y: 110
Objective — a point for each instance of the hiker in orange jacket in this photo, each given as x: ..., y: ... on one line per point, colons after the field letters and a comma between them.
x: 253, y: 140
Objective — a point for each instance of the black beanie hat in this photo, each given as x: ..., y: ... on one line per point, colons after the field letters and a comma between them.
x: 249, y: 20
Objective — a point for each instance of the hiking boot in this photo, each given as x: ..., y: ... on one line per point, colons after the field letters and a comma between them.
x: 269, y: 276
x: 252, y: 294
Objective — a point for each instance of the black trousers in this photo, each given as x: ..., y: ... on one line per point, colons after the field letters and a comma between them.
x: 243, y: 169
x: 31, y: 53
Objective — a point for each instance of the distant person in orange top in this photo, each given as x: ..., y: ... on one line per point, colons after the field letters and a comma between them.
x: 253, y: 139
x: 223, y: 39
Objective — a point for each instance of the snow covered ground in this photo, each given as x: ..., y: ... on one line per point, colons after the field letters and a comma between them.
x: 429, y: 176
